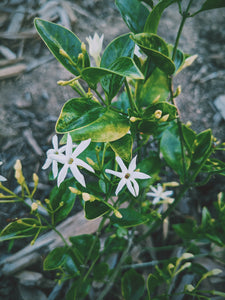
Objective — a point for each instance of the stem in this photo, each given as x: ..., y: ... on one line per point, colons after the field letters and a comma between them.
x: 112, y: 279
x: 131, y: 100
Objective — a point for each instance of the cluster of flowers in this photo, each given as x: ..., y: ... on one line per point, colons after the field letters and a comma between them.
x: 68, y: 157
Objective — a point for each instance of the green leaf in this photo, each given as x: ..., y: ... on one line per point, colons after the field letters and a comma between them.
x: 211, y: 4
x: 170, y: 148
x: 152, y: 284
x: 129, y: 218
x: 79, y: 289
x: 154, y: 17
x: 84, y: 119
x: 120, y: 47
x: 134, y: 14
x: 132, y: 285
x: 202, y: 144
x: 179, y: 59
x: 214, y: 166
x: 122, y: 66
x: 156, y: 85
x: 188, y: 60
x: 62, y: 200
x: 57, y: 37
x: 114, y: 244
x: 20, y: 229
x: 165, y: 107
x: 189, y: 137
x: 123, y: 147
x: 156, y: 48
x: 86, y: 245
x: 95, y: 209
x: 100, y: 271
x: 55, y: 259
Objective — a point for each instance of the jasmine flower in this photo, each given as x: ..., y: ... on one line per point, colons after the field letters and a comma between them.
x: 95, y: 47
x: 158, y: 193
x: 56, y: 151
x: 70, y: 161
x: 128, y: 176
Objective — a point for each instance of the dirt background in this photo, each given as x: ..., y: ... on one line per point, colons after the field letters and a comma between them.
x: 30, y: 102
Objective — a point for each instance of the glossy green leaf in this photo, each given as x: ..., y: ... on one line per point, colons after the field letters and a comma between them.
x: 95, y: 209
x: 84, y: 119
x: 55, y: 259
x: 154, y: 17
x: 132, y: 285
x: 156, y: 85
x: 156, y: 48
x: 79, y: 289
x: 129, y: 218
x: 62, y: 200
x: 189, y: 137
x: 100, y: 271
x: 20, y: 229
x: 57, y: 37
x: 211, y: 4
x: 122, y: 66
x: 123, y: 147
x: 179, y: 59
x: 134, y: 14
x: 114, y: 244
x: 188, y: 61
x: 86, y: 245
x: 170, y: 148
x: 122, y: 46
x: 202, y: 144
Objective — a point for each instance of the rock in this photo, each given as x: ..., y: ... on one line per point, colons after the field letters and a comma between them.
x: 219, y: 103
x: 28, y: 293
x: 29, y: 278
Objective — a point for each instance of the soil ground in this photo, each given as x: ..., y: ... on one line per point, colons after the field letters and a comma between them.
x: 30, y: 103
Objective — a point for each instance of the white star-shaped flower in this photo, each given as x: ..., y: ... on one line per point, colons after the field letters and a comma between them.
x: 2, y: 178
x: 158, y: 194
x: 128, y: 176
x: 70, y: 161
x: 95, y: 47
x: 56, y: 151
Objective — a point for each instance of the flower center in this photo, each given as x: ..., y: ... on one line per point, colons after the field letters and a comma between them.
x: 127, y: 175
x: 70, y: 161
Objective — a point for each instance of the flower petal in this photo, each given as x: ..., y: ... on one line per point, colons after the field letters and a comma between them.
x: 69, y: 146
x: 132, y: 165
x: 80, y: 148
x: 140, y: 175
x: 130, y: 188
x: 83, y: 164
x: 55, y: 168
x: 121, y: 164
x: 2, y: 178
x: 77, y: 174
x: 136, y: 186
x: 61, y: 158
x: 120, y: 186
x: 55, y: 142
x: 62, y: 174
x: 47, y: 163
x: 115, y: 173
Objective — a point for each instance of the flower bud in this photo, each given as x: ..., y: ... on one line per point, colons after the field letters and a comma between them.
x: 134, y: 119
x: 158, y: 114
x: 165, y: 118
x: 34, y: 206
x: 118, y: 214
x: 75, y: 191
x: 83, y: 47
x: 35, y: 179
x: 18, y: 172
x: 189, y: 288
x: 63, y: 53
x: 88, y: 197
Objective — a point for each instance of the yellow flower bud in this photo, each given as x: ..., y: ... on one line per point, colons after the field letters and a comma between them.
x: 165, y: 118
x: 75, y: 191
x: 35, y: 179
x: 18, y: 172
x: 90, y: 161
x: 189, y: 288
x: 83, y: 47
x: 80, y: 56
x: 34, y: 206
x: 118, y: 214
x: 88, y: 197
x: 63, y: 53
x: 158, y: 114
x: 134, y: 119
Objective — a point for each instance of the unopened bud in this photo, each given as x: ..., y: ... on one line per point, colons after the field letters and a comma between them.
x: 90, y: 161
x: 32, y: 242
x: 80, y: 56
x: 34, y: 206
x: 216, y: 272
x: 18, y: 172
x: 171, y: 183
x: 61, y: 203
x: 88, y: 197
x: 189, y: 288
x: 47, y: 201
x: 165, y: 118
x: 35, y: 179
x: 158, y: 114
x: 187, y: 255
x: 118, y: 214
x: 83, y: 47
x: 75, y: 191
x: 63, y: 53
x: 134, y: 119
x: 178, y: 91
x: 156, y: 99
x: 62, y: 82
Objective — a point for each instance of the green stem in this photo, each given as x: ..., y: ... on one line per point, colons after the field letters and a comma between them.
x: 131, y: 100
